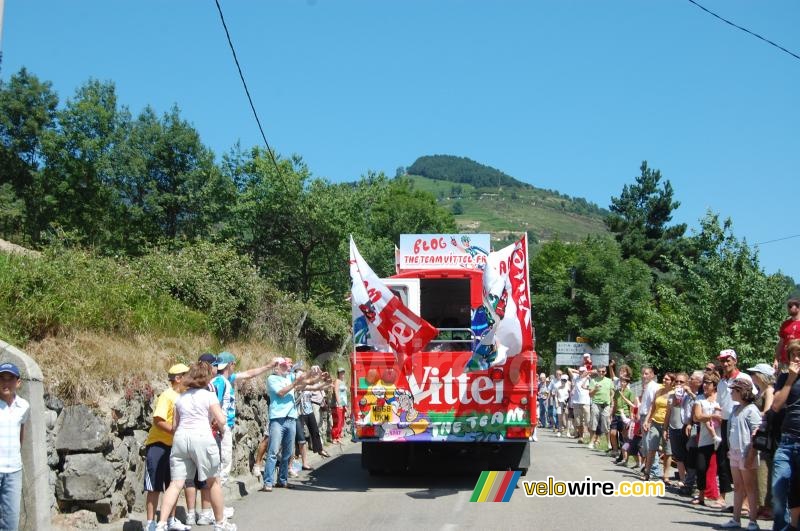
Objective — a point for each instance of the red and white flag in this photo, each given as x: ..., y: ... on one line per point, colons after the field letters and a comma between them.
x: 506, y: 294
x: 402, y: 329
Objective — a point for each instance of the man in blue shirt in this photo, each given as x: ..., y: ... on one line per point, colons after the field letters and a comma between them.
x: 281, y: 385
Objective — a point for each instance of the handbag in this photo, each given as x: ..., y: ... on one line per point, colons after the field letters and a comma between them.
x: 762, y: 439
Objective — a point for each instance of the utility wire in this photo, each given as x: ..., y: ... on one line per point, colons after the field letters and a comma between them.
x: 244, y: 83
x: 779, y: 239
x: 746, y: 30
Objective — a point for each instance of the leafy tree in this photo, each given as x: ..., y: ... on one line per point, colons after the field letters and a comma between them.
x: 458, y: 208
x: 639, y: 218
x: 611, y: 294
x: 27, y: 110
x: 77, y: 186
x: 720, y: 299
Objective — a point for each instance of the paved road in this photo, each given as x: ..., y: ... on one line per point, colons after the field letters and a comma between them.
x: 340, y: 495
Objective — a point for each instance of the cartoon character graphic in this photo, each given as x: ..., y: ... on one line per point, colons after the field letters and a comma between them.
x: 376, y: 404
x: 410, y: 422
x: 467, y: 247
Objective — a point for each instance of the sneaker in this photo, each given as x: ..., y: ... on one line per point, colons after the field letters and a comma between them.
x: 590, y: 446
x: 558, y: 434
x: 205, y: 518
x: 150, y: 525
x: 191, y: 518
x: 173, y: 524
x: 753, y: 526
x: 731, y: 524
x: 161, y: 526
x: 293, y: 474
x: 224, y: 526
x: 228, y: 512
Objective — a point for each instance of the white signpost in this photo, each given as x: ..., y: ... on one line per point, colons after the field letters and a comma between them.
x: 571, y: 353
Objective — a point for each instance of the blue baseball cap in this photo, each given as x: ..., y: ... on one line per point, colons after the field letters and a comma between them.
x: 10, y: 367
x: 224, y: 358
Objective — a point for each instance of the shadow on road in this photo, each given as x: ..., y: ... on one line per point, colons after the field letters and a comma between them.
x: 345, y: 474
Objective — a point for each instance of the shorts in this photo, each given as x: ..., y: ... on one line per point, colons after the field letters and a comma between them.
x: 194, y: 452
x: 678, y: 440
x: 195, y: 483
x: 600, y: 418
x: 581, y: 412
x: 633, y: 446
x: 299, y: 433
x: 652, y: 439
x: 736, y: 459
x: 618, y: 424
x: 156, y: 471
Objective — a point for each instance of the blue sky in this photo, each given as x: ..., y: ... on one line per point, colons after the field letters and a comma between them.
x: 567, y: 95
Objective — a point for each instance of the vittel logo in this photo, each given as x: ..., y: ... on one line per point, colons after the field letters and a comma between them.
x: 448, y: 389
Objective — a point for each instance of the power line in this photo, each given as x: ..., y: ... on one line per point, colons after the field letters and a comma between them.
x: 246, y: 90
x: 779, y: 239
x: 745, y: 30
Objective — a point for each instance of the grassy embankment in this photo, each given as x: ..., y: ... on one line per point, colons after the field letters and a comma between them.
x: 98, y: 325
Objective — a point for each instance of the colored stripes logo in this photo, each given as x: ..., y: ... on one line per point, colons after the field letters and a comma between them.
x: 495, y: 486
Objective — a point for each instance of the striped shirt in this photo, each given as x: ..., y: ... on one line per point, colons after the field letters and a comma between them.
x: 12, y: 418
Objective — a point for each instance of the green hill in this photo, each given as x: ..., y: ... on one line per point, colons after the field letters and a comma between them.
x: 507, y: 210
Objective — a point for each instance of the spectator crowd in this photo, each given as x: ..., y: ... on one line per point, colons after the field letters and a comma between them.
x: 721, y: 436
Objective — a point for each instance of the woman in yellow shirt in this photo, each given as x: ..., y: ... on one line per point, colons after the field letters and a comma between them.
x: 654, y: 427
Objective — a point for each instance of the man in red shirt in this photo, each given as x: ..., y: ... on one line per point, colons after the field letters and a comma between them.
x: 790, y: 329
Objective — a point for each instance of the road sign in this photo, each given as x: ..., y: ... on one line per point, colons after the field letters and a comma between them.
x: 573, y: 347
x: 598, y: 360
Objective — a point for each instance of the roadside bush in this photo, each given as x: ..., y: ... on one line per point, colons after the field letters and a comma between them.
x: 69, y: 289
x: 208, y: 277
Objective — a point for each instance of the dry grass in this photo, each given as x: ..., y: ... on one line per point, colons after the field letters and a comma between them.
x: 90, y: 367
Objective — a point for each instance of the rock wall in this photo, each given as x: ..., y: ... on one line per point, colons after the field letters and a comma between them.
x: 96, y: 455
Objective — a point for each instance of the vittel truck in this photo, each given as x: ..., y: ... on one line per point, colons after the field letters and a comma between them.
x: 447, y: 404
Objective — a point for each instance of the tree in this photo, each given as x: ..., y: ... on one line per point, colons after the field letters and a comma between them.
x: 611, y: 295
x: 639, y: 218
x: 719, y: 299
x: 27, y: 110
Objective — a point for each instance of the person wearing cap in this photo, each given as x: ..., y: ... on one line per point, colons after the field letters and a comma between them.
x: 14, y: 413
x: 730, y: 372
x: 581, y: 401
x: 763, y: 376
x: 225, y: 388
x: 157, y: 448
x: 340, y: 407
x: 562, y: 398
x: 789, y: 329
x: 786, y: 462
x: 281, y: 385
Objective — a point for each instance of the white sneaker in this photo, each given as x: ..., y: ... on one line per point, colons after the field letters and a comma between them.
x: 173, y: 524
x: 731, y: 524
x: 161, y: 526
x: 228, y: 512
x: 590, y: 446
x: 150, y: 525
x: 558, y: 434
x: 205, y: 518
x: 191, y: 518
x: 224, y: 526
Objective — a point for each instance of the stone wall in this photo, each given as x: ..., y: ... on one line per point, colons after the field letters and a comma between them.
x: 96, y: 455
